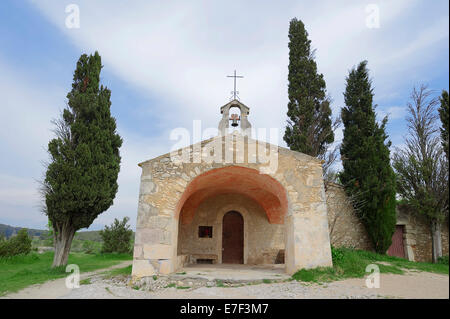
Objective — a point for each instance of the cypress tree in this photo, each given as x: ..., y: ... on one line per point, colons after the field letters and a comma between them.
x: 443, y: 114
x: 309, y: 128
x: 81, y: 178
x: 367, y: 174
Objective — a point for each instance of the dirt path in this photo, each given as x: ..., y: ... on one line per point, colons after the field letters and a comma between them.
x: 54, y: 289
x: 411, y: 285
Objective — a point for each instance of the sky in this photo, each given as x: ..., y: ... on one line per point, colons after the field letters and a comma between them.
x: 166, y: 65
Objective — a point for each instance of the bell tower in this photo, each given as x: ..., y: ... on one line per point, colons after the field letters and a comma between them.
x: 235, y: 119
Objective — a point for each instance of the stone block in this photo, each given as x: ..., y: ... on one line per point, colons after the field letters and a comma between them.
x: 165, y: 266
x: 148, y: 187
x: 145, y: 211
x: 152, y: 236
x: 159, y: 222
x: 142, y: 268
x: 137, y: 251
x: 157, y: 251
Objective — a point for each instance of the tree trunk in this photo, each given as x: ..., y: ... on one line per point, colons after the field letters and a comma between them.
x: 436, y: 241
x: 63, y: 235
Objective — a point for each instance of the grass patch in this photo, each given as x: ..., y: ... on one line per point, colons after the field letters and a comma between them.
x: 171, y: 285
x: 350, y: 263
x: 86, y: 281
x: 219, y: 283
x: 181, y: 273
x: 267, y: 281
x: 125, y: 271
x: 183, y: 287
x: 18, y: 272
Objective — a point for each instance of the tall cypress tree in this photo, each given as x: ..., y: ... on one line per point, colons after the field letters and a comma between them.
x: 81, y: 178
x: 309, y: 128
x: 443, y: 114
x: 367, y: 175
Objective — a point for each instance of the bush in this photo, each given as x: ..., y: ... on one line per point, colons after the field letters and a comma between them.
x: 443, y: 260
x: 117, y: 237
x: 89, y: 247
x: 336, y: 254
x: 19, y: 244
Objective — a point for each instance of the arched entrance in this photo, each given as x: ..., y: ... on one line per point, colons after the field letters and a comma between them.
x: 231, y: 215
x: 233, y: 238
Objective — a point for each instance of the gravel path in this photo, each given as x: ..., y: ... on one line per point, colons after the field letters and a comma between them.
x: 411, y: 285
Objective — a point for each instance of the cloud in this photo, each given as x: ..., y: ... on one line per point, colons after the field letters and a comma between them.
x: 178, y: 54
x: 181, y: 52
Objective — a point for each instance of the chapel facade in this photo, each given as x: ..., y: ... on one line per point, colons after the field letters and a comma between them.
x: 231, y: 199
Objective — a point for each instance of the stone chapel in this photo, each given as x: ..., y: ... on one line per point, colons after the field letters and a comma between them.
x: 231, y: 199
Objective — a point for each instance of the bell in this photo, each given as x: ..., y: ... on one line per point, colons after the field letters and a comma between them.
x: 234, y: 120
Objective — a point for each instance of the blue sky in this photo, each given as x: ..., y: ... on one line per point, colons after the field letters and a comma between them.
x: 166, y: 65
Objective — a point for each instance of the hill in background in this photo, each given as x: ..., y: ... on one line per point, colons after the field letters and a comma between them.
x: 8, y: 231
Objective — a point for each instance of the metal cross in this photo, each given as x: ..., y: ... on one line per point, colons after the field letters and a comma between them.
x: 234, y: 92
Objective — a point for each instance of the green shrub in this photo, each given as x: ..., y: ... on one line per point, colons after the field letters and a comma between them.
x: 117, y: 237
x: 19, y: 244
x: 443, y: 260
x: 336, y: 254
x: 89, y: 247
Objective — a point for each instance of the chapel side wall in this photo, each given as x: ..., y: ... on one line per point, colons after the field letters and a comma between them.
x: 346, y: 228
x: 262, y: 241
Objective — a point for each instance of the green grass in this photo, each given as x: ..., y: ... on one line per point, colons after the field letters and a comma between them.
x: 18, y: 272
x: 86, y: 281
x: 171, y: 285
x: 125, y: 271
x: 267, y: 281
x: 350, y: 263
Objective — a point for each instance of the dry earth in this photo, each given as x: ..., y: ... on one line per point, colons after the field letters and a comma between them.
x: 411, y: 285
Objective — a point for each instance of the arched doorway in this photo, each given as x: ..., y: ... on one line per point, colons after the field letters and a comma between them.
x: 233, y: 238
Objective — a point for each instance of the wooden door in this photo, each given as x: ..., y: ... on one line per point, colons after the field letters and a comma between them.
x: 233, y: 238
x: 397, y: 248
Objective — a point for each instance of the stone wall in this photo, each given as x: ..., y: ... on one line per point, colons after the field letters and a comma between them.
x: 346, y: 229
x: 262, y: 240
x: 417, y: 235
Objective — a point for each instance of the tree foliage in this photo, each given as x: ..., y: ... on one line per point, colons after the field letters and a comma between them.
x: 19, y: 244
x: 117, y: 237
x: 310, y: 127
x: 422, y: 166
x: 443, y: 114
x: 367, y: 175
x: 81, y: 178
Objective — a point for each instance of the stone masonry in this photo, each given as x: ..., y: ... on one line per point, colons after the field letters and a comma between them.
x: 288, y: 188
